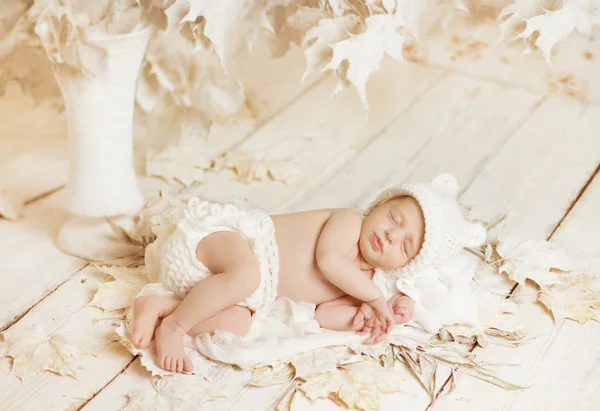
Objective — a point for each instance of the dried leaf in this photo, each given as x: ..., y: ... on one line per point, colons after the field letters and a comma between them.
x: 488, y: 253
x: 318, y: 40
x: 183, y: 162
x: 230, y: 23
x: 575, y: 297
x: 423, y: 367
x: 534, y: 260
x: 310, y: 363
x: 119, y: 294
x: 272, y: 375
x: 355, y: 386
x: 174, y: 392
x: 364, y: 51
x: 514, y: 14
x: 33, y: 354
x: 555, y: 26
x: 253, y: 167
x: 286, y: 402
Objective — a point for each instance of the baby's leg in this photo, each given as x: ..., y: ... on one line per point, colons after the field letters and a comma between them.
x: 227, y: 254
x: 339, y: 314
x: 149, y: 309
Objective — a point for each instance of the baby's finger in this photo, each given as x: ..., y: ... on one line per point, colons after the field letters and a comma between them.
x: 365, y: 331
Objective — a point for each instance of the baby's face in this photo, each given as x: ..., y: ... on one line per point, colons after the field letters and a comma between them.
x: 392, y: 233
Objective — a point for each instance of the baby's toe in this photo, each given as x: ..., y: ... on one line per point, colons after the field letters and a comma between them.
x: 187, y: 365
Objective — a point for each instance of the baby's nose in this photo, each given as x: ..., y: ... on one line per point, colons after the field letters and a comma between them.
x: 393, y: 235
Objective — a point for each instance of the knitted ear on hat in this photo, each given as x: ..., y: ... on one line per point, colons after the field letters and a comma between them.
x: 446, y: 183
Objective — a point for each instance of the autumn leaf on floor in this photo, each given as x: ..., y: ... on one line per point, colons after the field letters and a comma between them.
x: 174, y: 392
x: 253, y: 167
x: 286, y: 402
x: 310, y: 363
x: 575, y: 297
x: 120, y: 293
x: 34, y: 353
x: 534, y: 260
x: 355, y: 386
x: 9, y: 208
x: 272, y: 375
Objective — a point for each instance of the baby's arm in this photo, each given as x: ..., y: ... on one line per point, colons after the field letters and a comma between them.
x: 334, y: 247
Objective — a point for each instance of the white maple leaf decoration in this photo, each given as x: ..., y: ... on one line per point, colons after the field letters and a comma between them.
x: 119, y: 294
x: 174, y: 392
x: 555, y: 26
x: 34, y: 353
x: 534, y: 260
x: 318, y: 39
x: 574, y: 297
x: 356, y: 386
x: 364, y: 51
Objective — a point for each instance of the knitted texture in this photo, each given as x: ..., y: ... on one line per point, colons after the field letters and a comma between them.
x: 447, y: 231
x: 171, y: 258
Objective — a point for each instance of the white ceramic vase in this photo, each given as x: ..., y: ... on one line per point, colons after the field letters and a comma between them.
x: 100, y: 109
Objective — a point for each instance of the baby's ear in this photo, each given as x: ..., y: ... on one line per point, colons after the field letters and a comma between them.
x: 446, y: 183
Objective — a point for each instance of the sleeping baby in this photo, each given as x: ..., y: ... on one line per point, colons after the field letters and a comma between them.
x: 225, y: 263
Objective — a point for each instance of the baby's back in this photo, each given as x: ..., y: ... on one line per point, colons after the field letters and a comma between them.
x: 300, y: 279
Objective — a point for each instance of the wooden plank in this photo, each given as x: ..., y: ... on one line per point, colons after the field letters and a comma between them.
x: 31, y: 267
x: 66, y: 313
x: 321, y: 140
x: 426, y: 77
x: 456, y: 127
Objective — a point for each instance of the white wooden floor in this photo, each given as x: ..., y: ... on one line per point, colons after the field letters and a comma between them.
x: 518, y: 138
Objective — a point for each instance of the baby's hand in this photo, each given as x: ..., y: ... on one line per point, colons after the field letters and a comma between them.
x: 377, y: 318
x: 402, y: 306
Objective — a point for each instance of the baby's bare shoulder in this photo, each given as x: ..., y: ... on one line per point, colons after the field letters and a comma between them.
x: 346, y: 217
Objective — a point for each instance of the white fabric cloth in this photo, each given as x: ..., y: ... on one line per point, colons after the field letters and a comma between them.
x: 171, y: 258
x: 286, y: 328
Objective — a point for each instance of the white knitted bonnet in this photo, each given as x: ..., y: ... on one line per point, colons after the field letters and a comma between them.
x: 446, y: 229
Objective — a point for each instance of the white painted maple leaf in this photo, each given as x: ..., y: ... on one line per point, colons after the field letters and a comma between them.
x: 120, y: 293
x: 575, y: 297
x: 555, y: 26
x: 314, y: 362
x: 356, y: 386
x: 251, y: 167
x: 318, y: 39
x: 174, y: 392
x: 34, y: 353
x: 534, y: 260
x: 364, y: 51
x: 514, y: 14
x: 231, y: 23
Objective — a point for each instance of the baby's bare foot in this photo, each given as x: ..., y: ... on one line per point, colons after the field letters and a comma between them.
x: 146, y: 311
x: 169, y: 345
x: 403, y: 308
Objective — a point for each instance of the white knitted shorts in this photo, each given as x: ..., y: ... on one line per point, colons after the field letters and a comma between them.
x: 171, y: 258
